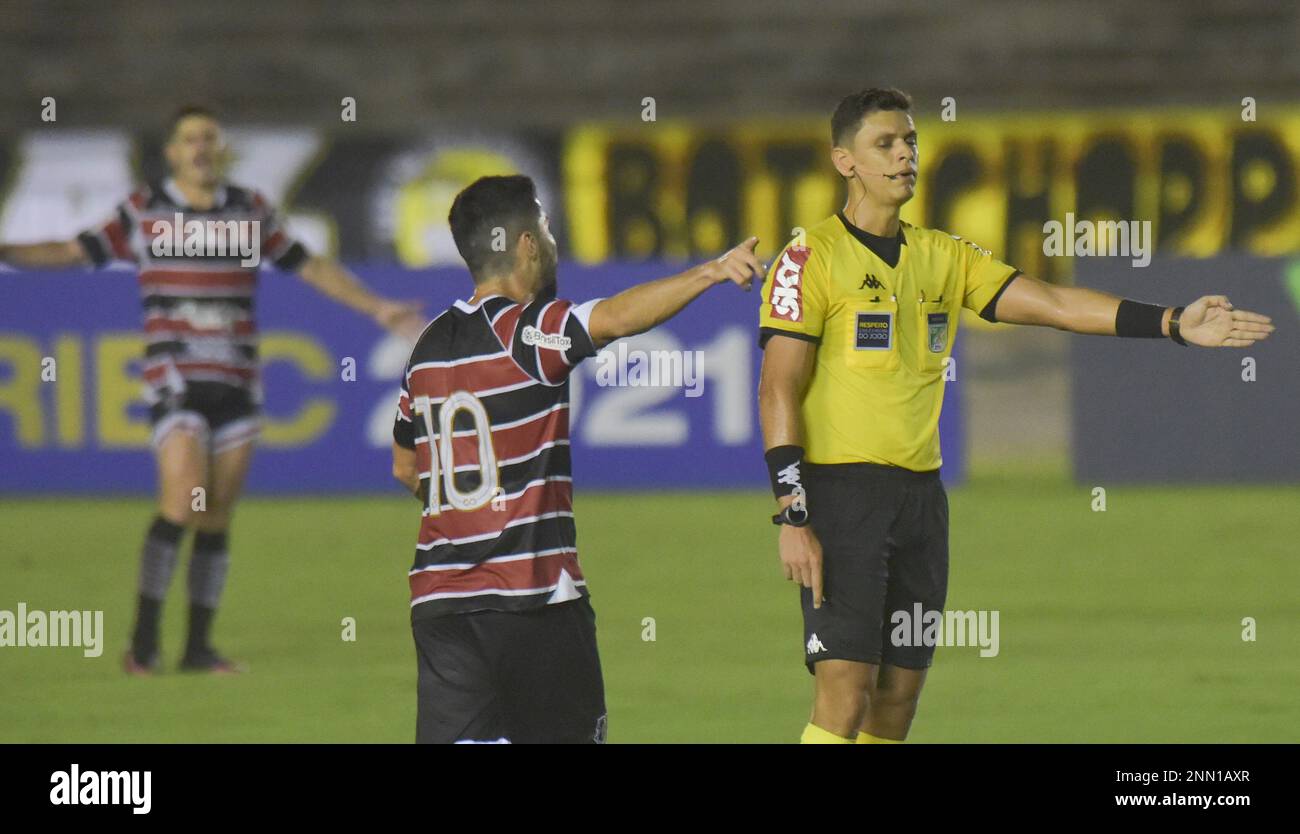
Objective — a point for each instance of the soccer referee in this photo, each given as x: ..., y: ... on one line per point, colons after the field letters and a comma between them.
x: 857, y: 323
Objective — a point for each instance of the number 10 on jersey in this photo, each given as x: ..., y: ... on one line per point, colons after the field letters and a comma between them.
x: 442, y: 461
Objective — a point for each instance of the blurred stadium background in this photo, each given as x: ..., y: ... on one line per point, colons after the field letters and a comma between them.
x: 661, y: 133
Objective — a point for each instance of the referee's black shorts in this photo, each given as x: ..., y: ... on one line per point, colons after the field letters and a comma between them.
x: 524, y: 677
x: 884, y: 537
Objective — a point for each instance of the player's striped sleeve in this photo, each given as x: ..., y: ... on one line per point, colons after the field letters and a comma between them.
x: 403, y: 426
x: 278, y: 247
x: 547, y: 338
x: 111, y: 240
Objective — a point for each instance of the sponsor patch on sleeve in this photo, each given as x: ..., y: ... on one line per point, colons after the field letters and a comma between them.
x: 550, y: 341
x: 786, y: 296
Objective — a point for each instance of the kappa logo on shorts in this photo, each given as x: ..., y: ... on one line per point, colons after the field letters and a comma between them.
x: 875, y: 331
x: 815, y: 645
x: 786, y: 297
x: 602, y: 728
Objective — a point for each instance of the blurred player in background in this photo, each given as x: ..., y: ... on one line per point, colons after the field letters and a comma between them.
x: 505, y: 636
x: 201, y: 364
x: 857, y: 325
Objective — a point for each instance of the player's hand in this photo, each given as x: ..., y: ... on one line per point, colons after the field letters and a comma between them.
x: 1212, y: 321
x: 801, y: 559
x: 740, y: 266
x: 404, y: 318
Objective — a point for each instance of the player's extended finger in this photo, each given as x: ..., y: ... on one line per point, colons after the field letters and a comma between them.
x: 749, y: 244
x: 750, y: 261
x: 739, y: 274
x: 1238, y: 342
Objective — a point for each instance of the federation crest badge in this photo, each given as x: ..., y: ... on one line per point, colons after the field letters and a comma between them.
x: 938, y: 332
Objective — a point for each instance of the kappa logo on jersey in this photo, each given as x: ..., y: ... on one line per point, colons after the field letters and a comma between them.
x: 787, y: 284
x: 815, y: 645
x: 871, y: 282
x: 551, y: 341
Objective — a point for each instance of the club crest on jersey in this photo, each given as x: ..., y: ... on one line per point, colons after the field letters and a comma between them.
x: 550, y: 341
x: 938, y: 323
x: 786, y: 296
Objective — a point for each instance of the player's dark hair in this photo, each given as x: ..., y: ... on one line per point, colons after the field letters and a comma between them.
x: 184, y: 112
x: 854, y: 108
x: 483, y: 207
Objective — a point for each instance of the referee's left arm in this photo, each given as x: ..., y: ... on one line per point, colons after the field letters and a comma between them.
x: 1210, y: 321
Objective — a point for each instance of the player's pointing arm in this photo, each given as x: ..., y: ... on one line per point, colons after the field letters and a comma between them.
x: 49, y: 255
x: 644, y: 306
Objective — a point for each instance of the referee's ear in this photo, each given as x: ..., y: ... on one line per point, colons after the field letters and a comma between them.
x: 842, y: 160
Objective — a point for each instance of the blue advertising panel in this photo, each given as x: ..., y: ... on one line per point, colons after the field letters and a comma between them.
x: 673, y: 408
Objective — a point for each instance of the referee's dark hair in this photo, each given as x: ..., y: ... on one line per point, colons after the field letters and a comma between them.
x: 487, y: 204
x: 854, y: 108
x: 184, y: 112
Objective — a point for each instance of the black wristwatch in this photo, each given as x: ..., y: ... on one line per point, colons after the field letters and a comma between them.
x: 795, y: 514
x: 1174, y: 332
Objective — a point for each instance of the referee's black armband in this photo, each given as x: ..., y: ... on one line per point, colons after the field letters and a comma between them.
x: 1136, y: 320
x: 783, y: 467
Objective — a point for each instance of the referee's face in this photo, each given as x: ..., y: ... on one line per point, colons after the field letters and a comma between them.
x: 883, y: 157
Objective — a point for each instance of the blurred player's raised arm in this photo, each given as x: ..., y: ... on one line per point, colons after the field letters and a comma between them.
x: 53, y: 254
x: 94, y: 247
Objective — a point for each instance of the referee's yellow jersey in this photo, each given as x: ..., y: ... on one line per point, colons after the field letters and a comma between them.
x: 883, y: 312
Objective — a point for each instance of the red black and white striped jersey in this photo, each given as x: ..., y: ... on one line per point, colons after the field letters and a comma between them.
x: 198, y: 299
x: 485, y: 406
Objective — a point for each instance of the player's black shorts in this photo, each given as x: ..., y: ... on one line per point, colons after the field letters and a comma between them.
x: 224, y: 416
x: 884, y: 537
x: 524, y: 677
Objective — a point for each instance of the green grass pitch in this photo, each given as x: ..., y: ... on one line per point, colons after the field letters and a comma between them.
x: 1124, y: 625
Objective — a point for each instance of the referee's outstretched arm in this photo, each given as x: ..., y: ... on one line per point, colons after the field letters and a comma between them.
x: 1210, y: 321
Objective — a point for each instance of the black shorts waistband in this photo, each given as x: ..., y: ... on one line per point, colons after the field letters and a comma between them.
x: 870, y: 471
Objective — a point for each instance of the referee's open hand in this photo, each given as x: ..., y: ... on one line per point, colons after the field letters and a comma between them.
x: 740, y: 266
x: 1212, y: 321
x: 801, y: 559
